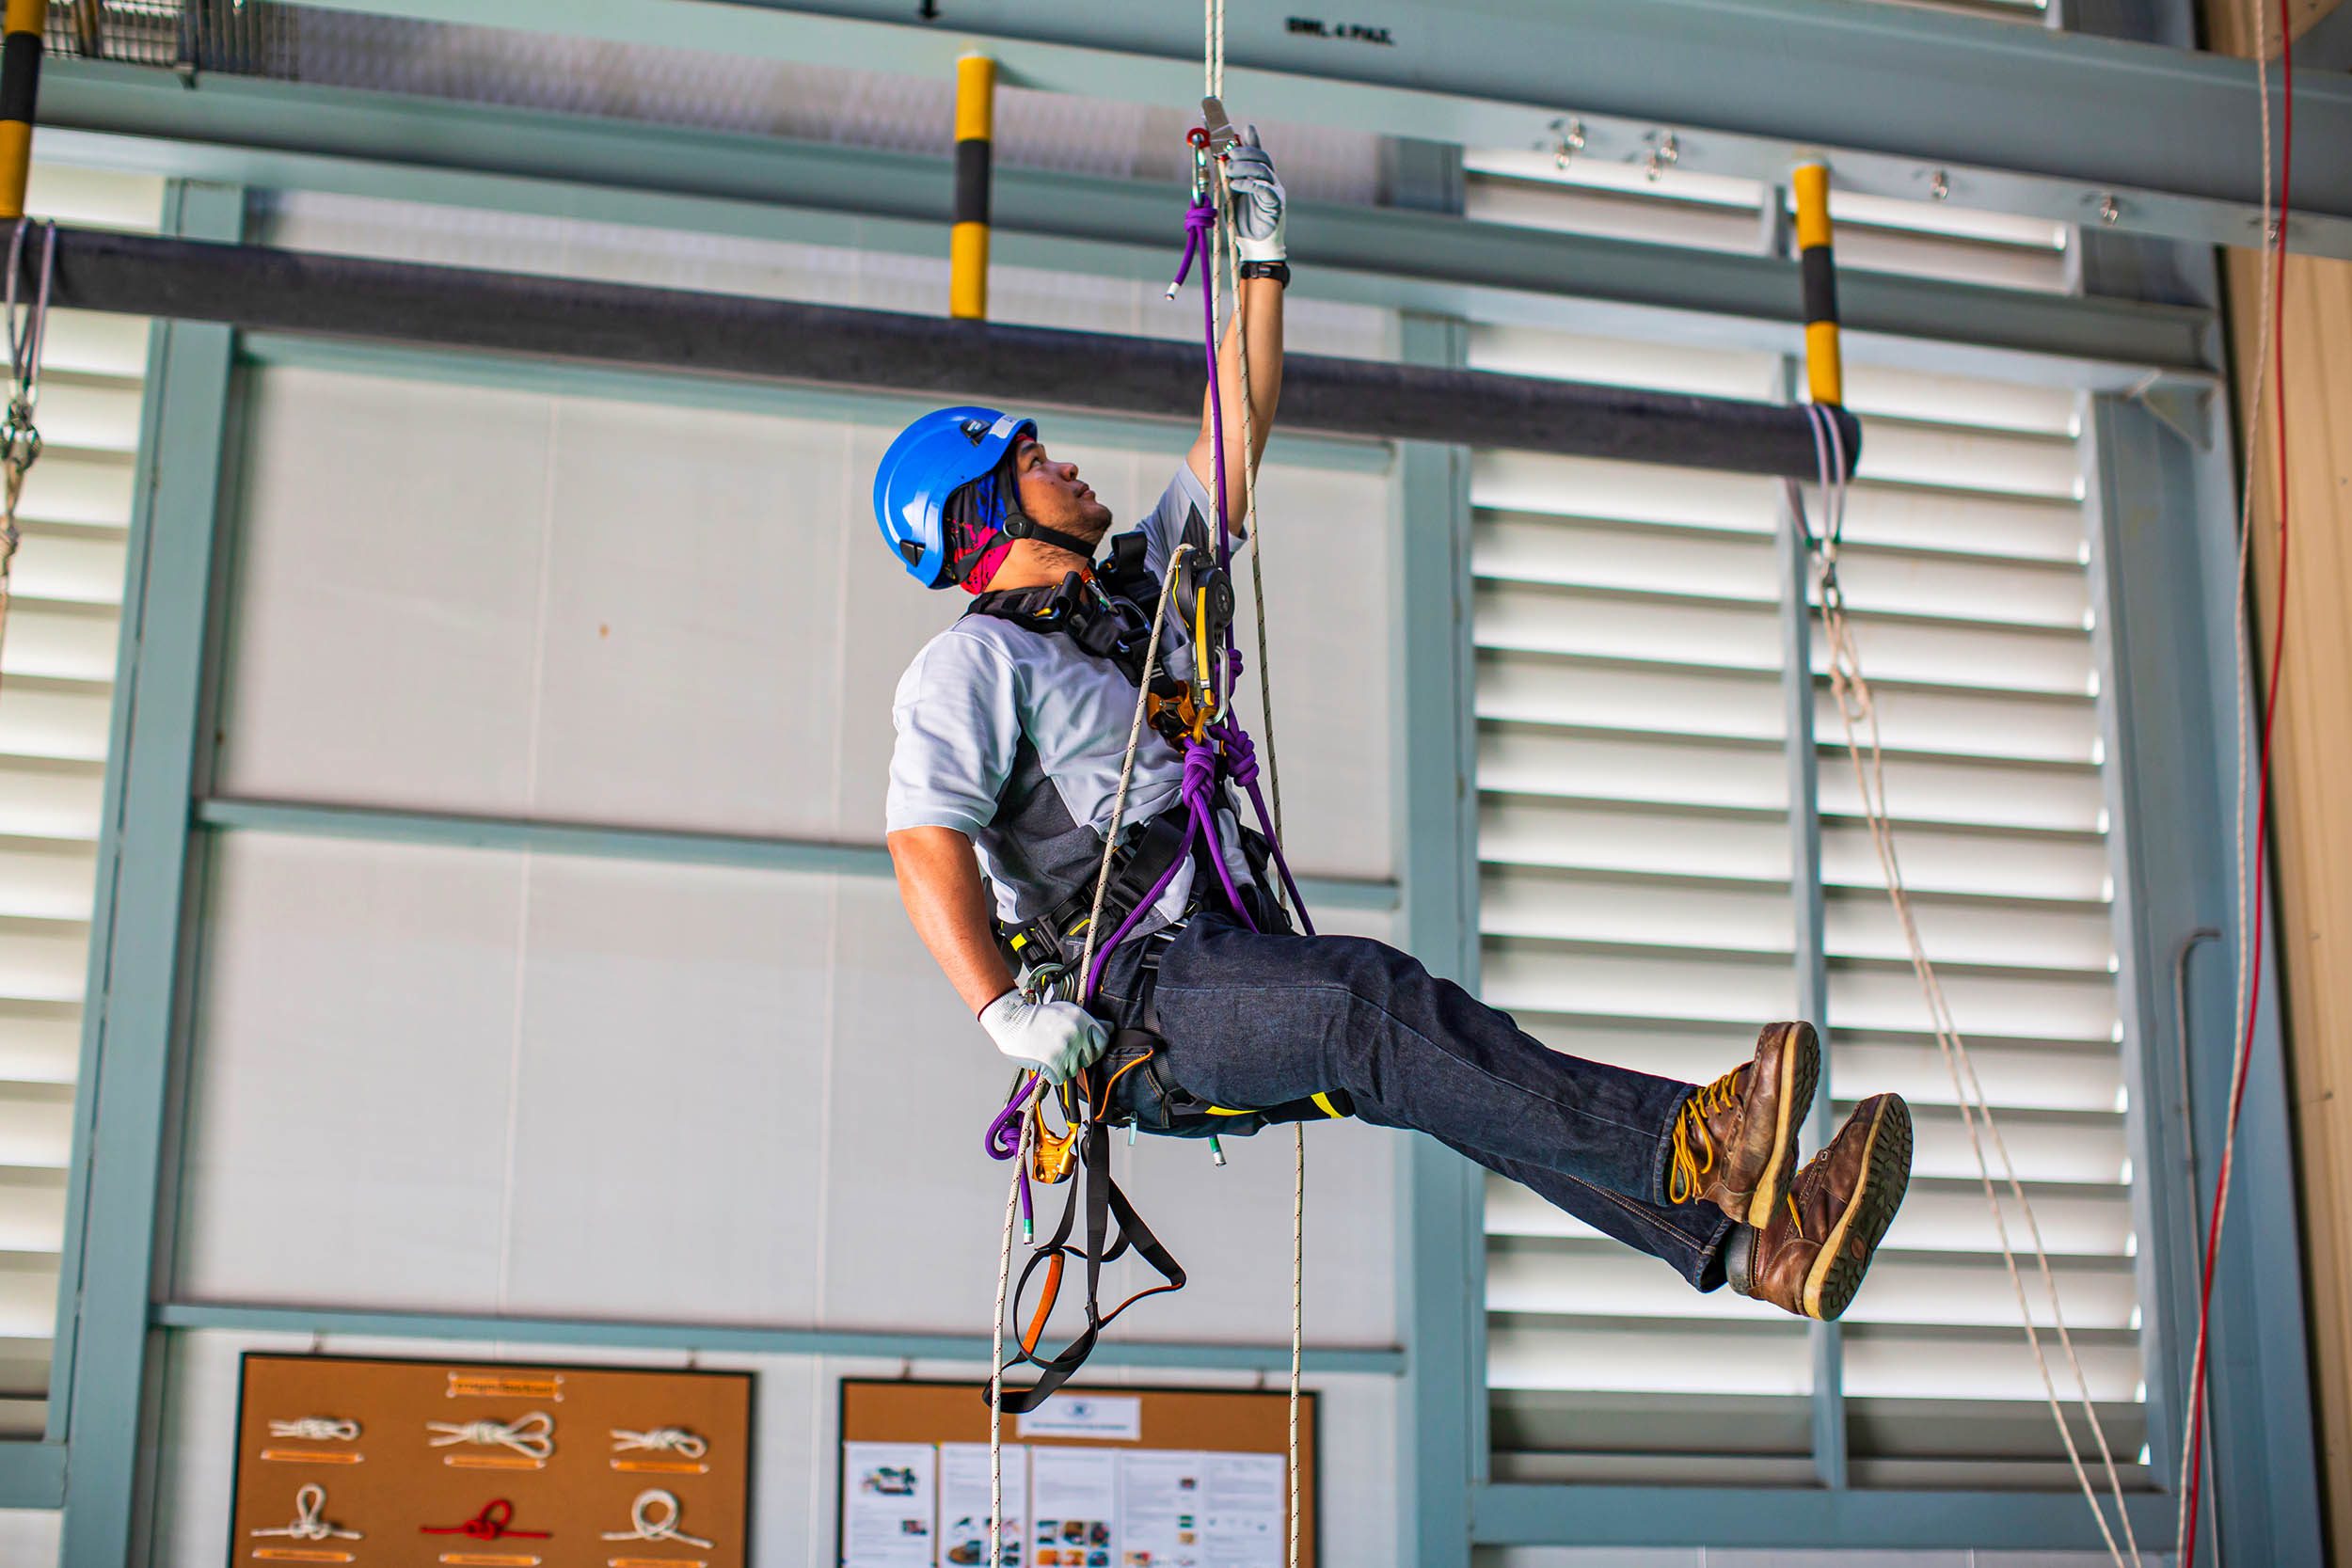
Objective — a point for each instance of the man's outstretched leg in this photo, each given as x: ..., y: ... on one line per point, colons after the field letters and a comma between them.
x: 1682, y: 1172
x: 1255, y: 1020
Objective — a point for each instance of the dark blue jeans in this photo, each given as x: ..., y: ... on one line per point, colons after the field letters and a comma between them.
x: 1255, y: 1021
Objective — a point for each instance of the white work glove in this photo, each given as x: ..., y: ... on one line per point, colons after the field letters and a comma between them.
x: 1257, y: 211
x: 1057, y: 1038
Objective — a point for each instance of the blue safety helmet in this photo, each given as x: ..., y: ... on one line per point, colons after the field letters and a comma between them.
x: 935, y: 533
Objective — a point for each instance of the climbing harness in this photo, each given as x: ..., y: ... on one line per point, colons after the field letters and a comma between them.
x: 1135, y: 872
x: 1858, y: 713
x: 20, y: 439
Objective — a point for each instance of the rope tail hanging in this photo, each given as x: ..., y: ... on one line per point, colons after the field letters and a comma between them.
x: 20, y: 439
x: 1857, y: 712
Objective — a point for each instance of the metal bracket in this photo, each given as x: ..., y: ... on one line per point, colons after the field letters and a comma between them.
x: 2184, y: 407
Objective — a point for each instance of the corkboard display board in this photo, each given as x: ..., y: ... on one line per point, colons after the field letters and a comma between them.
x: 1208, y: 1424
x: 358, y: 1462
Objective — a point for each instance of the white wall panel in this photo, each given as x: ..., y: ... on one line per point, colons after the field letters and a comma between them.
x: 447, y: 1080
x: 1326, y: 585
x: 390, y: 567
x: 667, y: 1120
x: 1232, y: 1231
x: 29, y: 1536
x: 691, y: 642
x: 912, y: 1206
x: 349, y: 1094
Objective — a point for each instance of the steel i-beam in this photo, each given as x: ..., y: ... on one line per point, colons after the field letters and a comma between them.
x: 586, y: 322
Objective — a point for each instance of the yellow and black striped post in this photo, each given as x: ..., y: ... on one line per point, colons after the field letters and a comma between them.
x: 1825, y: 368
x: 967, y: 241
x: 20, y: 83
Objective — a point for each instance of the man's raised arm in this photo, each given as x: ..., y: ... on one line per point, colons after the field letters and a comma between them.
x: 1257, y: 321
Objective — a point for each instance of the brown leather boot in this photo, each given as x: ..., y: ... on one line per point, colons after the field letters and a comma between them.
x: 1735, y: 1144
x: 1811, y: 1257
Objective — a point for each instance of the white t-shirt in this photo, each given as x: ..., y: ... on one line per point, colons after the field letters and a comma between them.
x: 989, y: 707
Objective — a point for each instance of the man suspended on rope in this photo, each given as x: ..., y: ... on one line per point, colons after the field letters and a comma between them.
x: 1012, y: 725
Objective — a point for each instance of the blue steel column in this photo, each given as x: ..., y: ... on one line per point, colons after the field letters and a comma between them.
x: 1441, y: 1291
x: 2165, y: 563
x: 2166, y: 527
x: 1810, y: 945
x: 134, y: 1001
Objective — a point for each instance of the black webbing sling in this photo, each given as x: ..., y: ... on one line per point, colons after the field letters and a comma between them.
x: 1103, y: 1203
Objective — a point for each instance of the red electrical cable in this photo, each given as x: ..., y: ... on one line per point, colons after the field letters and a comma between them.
x: 2262, y: 807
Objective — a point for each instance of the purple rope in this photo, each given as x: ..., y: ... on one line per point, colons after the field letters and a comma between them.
x: 1004, y: 1137
x: 1199, y: 790
x: 1200, y: 223
x: 1103, y: 953
x: 1241, y: 764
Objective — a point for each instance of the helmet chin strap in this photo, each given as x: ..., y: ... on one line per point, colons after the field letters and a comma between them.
x: 1021, y: 526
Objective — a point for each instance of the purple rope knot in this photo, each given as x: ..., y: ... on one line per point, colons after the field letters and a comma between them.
x: 1004, y: 1133
x: 1200, y: 220
x: 1241, y: 752
x: 1199, y: 787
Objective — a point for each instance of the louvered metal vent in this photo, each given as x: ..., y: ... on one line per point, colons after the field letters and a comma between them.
x: 56, y: 705
x: 1636, y: 897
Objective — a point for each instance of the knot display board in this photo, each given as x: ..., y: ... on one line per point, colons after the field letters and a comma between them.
x: 469, y: 1465
x: 1108, y: 1477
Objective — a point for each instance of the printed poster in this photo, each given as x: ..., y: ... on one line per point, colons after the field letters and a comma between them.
x: 888, y: 1493
x: 1074, y: 1506
x: 963, y: 1501
x: 1160, y: 1509
x: 1245, y: 1510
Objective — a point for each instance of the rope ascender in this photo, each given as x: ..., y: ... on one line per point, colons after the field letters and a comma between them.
x: 19, y: 437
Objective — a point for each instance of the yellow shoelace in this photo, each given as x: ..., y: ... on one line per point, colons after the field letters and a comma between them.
x: 1682, y: 1184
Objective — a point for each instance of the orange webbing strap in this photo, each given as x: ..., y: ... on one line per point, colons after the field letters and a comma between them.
x: 1044, y: 1307
x: 1105, y: 1203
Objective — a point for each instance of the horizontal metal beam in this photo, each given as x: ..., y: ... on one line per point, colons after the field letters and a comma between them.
x: 32, y: 1475
x: 1381, y: 1361
x: 296, y: 135
x: 1760, y: 1518
x: 2016, y: 119
x: 675, y: 847
x: 593, y: 323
